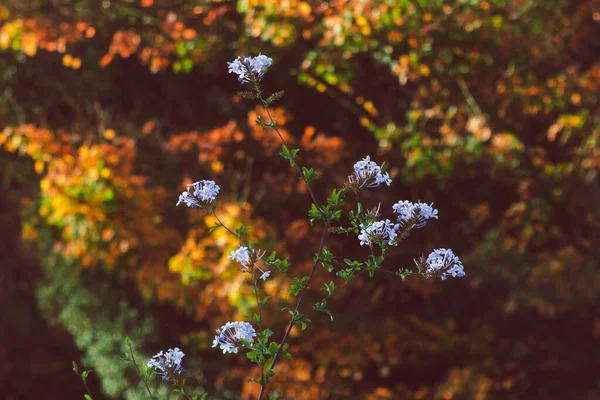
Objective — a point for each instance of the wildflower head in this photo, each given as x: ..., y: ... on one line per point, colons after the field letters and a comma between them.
x: 414, y: 215
x: 250, y: 69
x: 367, y: 174
x: 229, y: 336
x: 442, y: 263
x: 248, y: 257
x: 378, y: 231
x: 241, y: 255
x: 199, y: 193
x: 167, y: 365
x: 265, y: 275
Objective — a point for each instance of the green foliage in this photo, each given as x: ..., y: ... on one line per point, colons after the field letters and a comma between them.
x: 289, y: 155
x: 98, y: 321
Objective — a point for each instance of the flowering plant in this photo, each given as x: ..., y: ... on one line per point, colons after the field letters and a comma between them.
x: 380, y: 235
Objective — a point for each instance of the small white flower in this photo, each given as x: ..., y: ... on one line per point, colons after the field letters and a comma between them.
x: 250, y: 68
x: 265, y: 275
x: 241, y: 255
x: 206, y: 191
x: 189, y: 200
x: 378, y: 231
x: 198, y: 193
x: 414, y: 215
x: 248, y: 260
x: 229, y: 336
x: 368, y: 174
x: 167, y: 364
x: 443, y: 263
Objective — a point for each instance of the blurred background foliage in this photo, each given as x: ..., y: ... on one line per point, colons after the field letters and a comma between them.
x: 488, y: 108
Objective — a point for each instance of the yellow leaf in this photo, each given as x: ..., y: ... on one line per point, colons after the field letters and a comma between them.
x: 45, y: 185
x: 304, y: 8
x: 4, y: 40
x: 109, y: 134
x: 217, y: 166
x: 76, y: 63
x: 67, y: 60
x: 39, y: 166
x: 29, y: 44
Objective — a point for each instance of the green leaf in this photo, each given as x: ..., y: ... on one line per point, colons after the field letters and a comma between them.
x: 187, y: 65
x: 404, y: 273
x: 289, y: 155
x: 262, y: 302
x: 329, y: 288
x: 270, y: 373
x: 269, y: 362
x: 299, y: 285
x: 87, y: 397
x: 315, y: 213
x: 212, y: 228
x: 320, y: 306
x: 309, y: 174
x: 273, y: 347
x: 241, y: 231
x: 85, y: 374
x: 346, y: 274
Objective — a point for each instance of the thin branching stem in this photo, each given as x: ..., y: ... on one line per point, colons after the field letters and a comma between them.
x: 228, y: 230
x: 254, y: 281
x: 300, y: 298
x: 137, y: 368
x: 298, y: 168
x: 87, y: 389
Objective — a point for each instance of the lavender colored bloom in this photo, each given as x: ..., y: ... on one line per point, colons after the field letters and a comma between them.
x: 248, y: 259
x: 368, y: 174
x: 443, y: 263
x: 414, y: 215
x: 206, y: 191
x: 265, y: 275
x: 378, y: 231
x: 168, y: 364
x: 250, y: 68
x: 188, y: 199
x: 241, y: 255
x: 229, y: 336
x: 198, y: 193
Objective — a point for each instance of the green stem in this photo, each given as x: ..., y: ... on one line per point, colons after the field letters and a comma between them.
x: 272, y: 125
x: 228, y: 230
x: 300, y: 298
x: 262, y: 366
x: 140, y: 372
